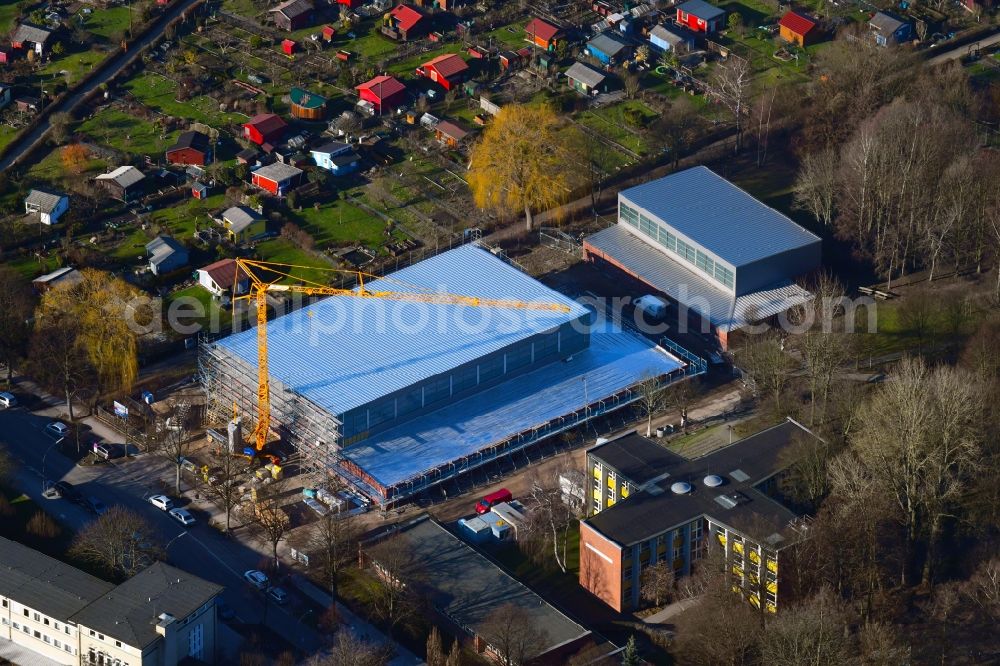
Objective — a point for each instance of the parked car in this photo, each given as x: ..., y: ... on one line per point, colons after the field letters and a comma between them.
x: 68, y: 491
x: 161, y: 502
x: 484, y: 505
x: 278, y: 596
x: 182, y: 516
x: 257, y: 578
x: 96, y: 506
x: 57, y: 429
x: 7, y: 400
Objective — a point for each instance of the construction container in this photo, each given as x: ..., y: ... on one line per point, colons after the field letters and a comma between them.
x: 475, y: 530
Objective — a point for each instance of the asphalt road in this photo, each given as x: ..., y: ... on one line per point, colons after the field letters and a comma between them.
x: 107, y: 70
x: 200, y: 549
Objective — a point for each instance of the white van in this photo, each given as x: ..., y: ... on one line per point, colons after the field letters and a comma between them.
x: 652, y: 306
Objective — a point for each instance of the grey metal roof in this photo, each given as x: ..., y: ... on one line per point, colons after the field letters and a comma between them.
x: 45, y: 584
x: 293, y: 8
x: 659, y: 269
x: 278, y: 171
x: 345, y: 352
x: 646, y: 514
x: 163, y: 247
x: 130, y: 612
x: 607, y: 43
x: 719, y: 216
x: 331, y: 148
x: 345, y: 159
x: 585, y: 74
x: 46, y: 201
x: 30, y: 33
x: 886, y: 23
x: 671, y: 34
x: 125, y: 176
x: 240, y: 217
x: 701, y: 9
x: 467, y: 587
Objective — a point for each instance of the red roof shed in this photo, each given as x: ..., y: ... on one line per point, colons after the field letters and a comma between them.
x: 541, y: 33
x: 265, y: 128
x: 288, y: 46
x: 447, y: 70
x: 797, y: 28
x: 382, y: 91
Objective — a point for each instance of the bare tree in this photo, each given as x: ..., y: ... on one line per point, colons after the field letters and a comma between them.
x: 881, y: 646
x: 814, y: 632
x: 513, y: 636
x: 658, y: 582
x: 269, y: 522
x: 984, y: 587
x: 393, y: 595
x: 919, y: 439
x: 120, y: 541
x: 222, y: 483
x: 816, y: 186
x: 349, y: 650
x: 550, y: 519
x: 332, y: 541
x: 652, y: 399
x: 632, y: 84
x: 173, y: 442
x: 731, y: 86
x: 766, y: 366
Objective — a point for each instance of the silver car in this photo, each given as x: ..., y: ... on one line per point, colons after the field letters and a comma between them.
x: 7, y: 400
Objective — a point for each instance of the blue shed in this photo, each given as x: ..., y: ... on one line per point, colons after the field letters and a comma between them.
x: 607, y: 48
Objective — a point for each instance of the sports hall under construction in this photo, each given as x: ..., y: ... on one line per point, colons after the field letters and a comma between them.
x: 395, y: 397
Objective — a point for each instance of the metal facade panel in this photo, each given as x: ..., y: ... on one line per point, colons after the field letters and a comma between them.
x: 719, y: 216
x: 344, y: 352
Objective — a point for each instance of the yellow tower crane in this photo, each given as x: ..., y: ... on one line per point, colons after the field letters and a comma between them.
x: 261, y: 286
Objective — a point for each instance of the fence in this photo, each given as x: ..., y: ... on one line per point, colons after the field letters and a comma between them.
x: 559, y: 240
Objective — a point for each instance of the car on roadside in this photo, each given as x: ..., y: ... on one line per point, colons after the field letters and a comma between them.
x: 278, y: 595
x: 57, y: 429
x: 7, y: 400
x: 257, y: 578
x: 95, y: 506
x: 161, y: 502
x: 68, y: 491
x: 182, y: 516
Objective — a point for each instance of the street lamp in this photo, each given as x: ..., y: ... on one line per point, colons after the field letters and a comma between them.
x: 53, y: 445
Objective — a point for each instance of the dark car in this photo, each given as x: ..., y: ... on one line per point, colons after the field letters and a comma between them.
x: 96, y: 506
x: 68, y: 491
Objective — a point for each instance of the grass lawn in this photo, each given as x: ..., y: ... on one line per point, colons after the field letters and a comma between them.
x: 182, y: 219
x: 159, y: 93
x: 341, y: 223
x: 111, y: 22
x: 281, y: 251
x: 512, y: 35
x: 610, y: 121
x: 545, y: 578
x: 197, y: 299
x: 122, y: 131
x: 30, y: 267
x: 7, y: 134
x: 132, y: 249
x: 50, y: 168
x: 408, y: 65
x: 76, y: 65
x: 368, y: 42
x: 8, y: 12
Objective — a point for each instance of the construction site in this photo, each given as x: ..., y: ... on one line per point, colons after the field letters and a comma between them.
x: 424, y: 375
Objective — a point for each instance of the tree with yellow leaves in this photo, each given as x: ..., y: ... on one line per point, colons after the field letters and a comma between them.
x: 85, y: 336
x: 524, y: 161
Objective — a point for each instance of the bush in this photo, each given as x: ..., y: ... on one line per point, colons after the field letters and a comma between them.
x: 42, y: 527
x: 634, y: 117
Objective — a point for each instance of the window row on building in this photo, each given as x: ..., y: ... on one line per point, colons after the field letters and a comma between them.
x: 360, y: 423
x: 661, y: 234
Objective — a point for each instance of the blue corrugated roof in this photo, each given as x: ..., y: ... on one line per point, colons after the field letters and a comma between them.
x: 701, y: 9
x: 344, y: 352
x: 719, y: 216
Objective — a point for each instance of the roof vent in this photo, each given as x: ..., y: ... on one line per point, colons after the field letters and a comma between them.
x: 713, y: 480
x: 681, y: 488
x: 739, y: 475
x: 732, y: 500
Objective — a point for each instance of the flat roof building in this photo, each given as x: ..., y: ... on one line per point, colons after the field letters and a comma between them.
x: 398, y: 396
x: 648, y: 505
x: 465, y: 588
x: 710, y: 246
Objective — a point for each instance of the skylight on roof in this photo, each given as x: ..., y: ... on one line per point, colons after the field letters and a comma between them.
x: 739, y: 475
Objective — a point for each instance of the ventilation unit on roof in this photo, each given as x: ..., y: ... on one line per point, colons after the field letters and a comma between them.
x: 712, y: 480
x: 732, y: 500
x: 681, y: 488
x: 739, y: 475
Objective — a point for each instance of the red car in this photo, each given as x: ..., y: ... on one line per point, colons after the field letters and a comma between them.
x: 484, y: 505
